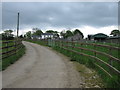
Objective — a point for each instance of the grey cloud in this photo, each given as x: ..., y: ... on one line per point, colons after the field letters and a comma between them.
x: 64, y: 14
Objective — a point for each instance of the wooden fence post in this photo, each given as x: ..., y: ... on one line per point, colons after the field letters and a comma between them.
x: 72, y: 48
x: 110, y: 52
x: 95, y: 49
x: 81, y: 46
x: 15, y: 47
x: 7, y: 48
x: 58, y: 43
x: 61, y: 44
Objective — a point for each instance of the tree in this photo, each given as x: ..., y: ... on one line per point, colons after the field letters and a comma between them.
x: 62, y: 33
x: 28, y: 34
x: 76, y: 31
x: 68, y: 33
x: 8, y: 32
x: 7, y: 35
x: 115, y: 32
x: 24, y: 36
x: 21, y: 36
x: 56, y: 32
x: 37, y: 33
x: 57, y: 35
x: 50, y: 31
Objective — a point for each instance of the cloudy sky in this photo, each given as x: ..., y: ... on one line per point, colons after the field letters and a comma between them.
x: 89, y: 17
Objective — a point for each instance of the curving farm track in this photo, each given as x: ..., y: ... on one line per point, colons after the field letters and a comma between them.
x: 41, y: 67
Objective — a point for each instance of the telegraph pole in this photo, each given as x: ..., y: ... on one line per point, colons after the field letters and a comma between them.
x: 18, y: 25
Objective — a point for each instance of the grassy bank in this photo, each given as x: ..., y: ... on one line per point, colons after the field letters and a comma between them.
x: 89, y: 62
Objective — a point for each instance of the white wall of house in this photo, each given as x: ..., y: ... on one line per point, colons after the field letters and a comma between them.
x: 46, y: 36
x: 42, y: 36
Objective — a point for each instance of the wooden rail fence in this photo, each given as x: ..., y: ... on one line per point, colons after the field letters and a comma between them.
x: 10, y: 48
x: 70, y: 45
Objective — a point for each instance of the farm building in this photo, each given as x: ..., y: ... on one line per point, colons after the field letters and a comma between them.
x: 113, y: 39
x: 98, y: 37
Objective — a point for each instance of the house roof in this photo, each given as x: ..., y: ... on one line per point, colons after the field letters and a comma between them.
x: 100, y: 35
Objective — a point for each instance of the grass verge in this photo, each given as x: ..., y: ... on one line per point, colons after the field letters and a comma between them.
x: 12, y: 59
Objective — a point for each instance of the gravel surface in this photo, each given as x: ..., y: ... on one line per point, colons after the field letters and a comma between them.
x: 41, y: 67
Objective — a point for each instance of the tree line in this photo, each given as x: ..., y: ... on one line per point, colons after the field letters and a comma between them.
x: 7, y: 34
x: 64, y: 34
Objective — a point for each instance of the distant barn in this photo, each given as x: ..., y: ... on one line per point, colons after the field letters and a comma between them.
x: 113, y: 39
x: 98, y: 37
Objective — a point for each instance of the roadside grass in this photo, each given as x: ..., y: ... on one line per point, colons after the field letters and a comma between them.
x: 12, y: 59
x: 4, y: 63
x: 113, y: 82
x: 89, y: 62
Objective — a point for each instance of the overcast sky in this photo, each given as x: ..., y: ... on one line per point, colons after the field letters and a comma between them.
x: 89, y: 17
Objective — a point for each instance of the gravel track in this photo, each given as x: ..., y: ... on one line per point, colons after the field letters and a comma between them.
x: 41, y: 67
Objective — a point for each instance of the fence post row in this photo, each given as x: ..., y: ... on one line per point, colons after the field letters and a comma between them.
x: 11, y: 48
x: 110, y: 52
x: 7, y: 48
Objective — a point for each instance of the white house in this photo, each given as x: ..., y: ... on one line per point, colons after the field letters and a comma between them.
x: 47, y: 35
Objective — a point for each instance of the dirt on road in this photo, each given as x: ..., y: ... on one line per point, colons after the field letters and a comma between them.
x: 42, y: 67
